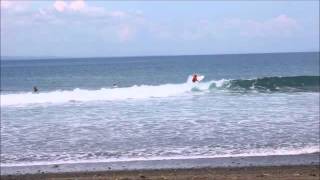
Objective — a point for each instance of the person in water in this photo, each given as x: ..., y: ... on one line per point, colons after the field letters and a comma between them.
x: 35, y: 89
x: 195, y: 78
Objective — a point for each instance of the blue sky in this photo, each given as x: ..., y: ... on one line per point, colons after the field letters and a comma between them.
x: 80, y: 28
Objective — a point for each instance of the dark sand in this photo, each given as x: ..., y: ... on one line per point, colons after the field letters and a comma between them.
x: 286, y: 167
x: 307, y: 172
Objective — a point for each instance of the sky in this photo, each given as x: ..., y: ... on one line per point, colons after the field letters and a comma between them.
x: 83, y: 28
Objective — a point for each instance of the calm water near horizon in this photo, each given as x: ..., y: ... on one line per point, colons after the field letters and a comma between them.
x: 250, y: 104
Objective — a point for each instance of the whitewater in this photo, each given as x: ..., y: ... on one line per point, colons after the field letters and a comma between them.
x: 247, y: 105
x: 310, y: 83
x: 106, y: 94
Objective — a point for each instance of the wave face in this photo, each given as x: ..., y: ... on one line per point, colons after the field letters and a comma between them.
x: 294, y: 83
x: 269, y: 84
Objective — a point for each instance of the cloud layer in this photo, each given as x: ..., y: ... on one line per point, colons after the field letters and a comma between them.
x: 279, y: 26
x: 120, y: 25
x: 126, y: 24
x: 75, y: 22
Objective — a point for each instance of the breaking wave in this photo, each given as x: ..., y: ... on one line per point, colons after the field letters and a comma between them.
x: 294, y: 83
x: 265, y: 84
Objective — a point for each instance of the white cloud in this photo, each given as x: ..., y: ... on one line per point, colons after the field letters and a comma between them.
x: 116, y: 26
x: 80, y: 7
x: 278, y: 26
x: 77, y: 5
x: 16, y: 6
x: 281, y: 25
x: 60, y: 5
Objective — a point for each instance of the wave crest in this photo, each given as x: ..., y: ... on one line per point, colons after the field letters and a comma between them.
x: 270, y: 84
x: 293, y: 83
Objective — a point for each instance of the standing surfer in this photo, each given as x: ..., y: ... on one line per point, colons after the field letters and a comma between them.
x: 195, y: 78
x: 35, y: 89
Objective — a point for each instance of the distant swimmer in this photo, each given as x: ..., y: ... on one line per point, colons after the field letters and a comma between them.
x: 194, y: 78
x: 35, y: 89
x: 114, y: 85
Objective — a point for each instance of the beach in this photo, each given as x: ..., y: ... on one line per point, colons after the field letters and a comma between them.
x: 304, y: 166
x: 301, y: 172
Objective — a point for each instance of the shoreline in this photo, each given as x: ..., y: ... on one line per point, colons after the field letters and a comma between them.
x: 312, y: 159
x: 295, y: 172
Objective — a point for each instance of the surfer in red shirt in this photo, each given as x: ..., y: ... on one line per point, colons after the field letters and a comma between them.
x: 194, y: 78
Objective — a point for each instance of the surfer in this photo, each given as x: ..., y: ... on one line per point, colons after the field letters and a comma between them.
x: 195, y: 78
x: 35, y: 89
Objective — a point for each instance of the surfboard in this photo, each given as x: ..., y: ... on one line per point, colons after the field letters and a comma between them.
x: 200, y: 78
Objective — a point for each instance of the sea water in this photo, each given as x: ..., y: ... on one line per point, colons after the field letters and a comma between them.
x: 122, y: 109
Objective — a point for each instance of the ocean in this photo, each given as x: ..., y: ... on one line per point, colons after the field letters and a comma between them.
x: 147, y: 108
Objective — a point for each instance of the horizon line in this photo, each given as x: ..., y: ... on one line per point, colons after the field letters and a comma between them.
x: 137, y: 56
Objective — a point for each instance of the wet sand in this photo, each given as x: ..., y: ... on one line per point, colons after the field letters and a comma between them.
x: 286, y: 167
x: 302, y: 172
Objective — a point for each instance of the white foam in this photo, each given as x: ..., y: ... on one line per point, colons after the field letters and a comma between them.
x: 221, y: 82
x: 103, y: 94
x: 134, y: 92
x: 228, y: 153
